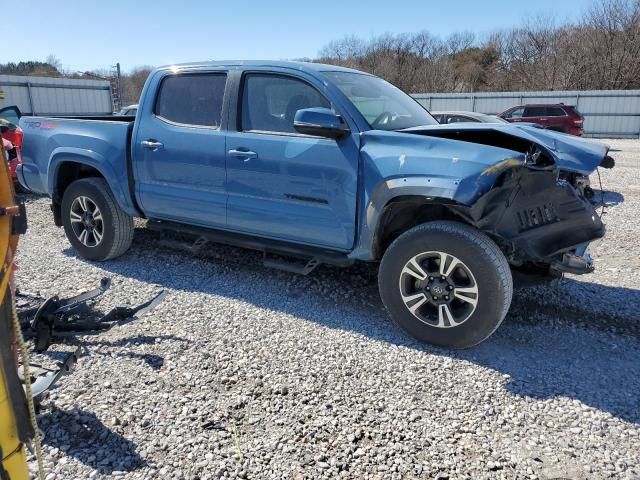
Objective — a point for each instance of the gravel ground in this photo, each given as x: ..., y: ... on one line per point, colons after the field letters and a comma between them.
x: 246, y: 372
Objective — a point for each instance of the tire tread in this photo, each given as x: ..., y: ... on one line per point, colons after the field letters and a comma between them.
x: 481, y: 240
x: 122, y: 221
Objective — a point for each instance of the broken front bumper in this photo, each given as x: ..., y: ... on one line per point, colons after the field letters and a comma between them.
x: 578, y: 262
x: 540, y: 218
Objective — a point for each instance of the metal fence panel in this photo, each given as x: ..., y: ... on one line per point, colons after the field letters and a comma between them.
x: 56, y: 96
x: 608, y: 113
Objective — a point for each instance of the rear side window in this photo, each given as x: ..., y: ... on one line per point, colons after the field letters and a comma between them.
x: 270, y: 102
x: 535, y: 112
x: 192, y: 99
x: 555, y: 112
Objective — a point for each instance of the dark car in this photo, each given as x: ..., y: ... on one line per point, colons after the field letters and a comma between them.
x: 558, y: 117
x: 465, y: 117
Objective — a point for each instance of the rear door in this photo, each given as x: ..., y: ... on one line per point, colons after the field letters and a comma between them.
x: 180, y: 149
x: 283, y: 184
x: 536, y: 114
x: 557, y: 118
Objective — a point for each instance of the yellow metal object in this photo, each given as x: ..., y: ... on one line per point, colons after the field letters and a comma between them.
x: 2, y: 95
x: 14, y: 456
x: 14, y: 459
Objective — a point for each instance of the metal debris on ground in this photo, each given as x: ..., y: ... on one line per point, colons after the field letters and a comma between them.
x: 47, y: 320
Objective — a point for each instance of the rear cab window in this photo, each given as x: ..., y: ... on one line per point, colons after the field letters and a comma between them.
x: 191, y: 99
x: 270, y: 102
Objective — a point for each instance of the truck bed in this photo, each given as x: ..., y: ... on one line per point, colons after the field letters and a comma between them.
x: 102, y: 143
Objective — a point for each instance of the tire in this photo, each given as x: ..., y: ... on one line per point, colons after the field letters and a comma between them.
x: 115, y: 225
x: 478, y: 288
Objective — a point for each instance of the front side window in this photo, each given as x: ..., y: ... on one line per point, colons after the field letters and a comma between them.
x: 192, y: 99
x: 383, y: 106
x: 270, y: 102
x: 517, y: 113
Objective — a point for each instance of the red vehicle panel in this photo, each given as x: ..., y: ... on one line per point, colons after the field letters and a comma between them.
x: 10, y: 131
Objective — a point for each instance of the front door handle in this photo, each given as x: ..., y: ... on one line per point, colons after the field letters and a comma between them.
x: 243, y: 154
x: 151, y: 144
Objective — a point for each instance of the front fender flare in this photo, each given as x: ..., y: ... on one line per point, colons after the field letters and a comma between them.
x: 432, y: 188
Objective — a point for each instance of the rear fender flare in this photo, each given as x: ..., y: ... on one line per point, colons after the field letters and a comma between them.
x: 91, y: 159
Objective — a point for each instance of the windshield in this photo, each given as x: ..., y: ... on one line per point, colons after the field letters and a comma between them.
x: 384, y: 106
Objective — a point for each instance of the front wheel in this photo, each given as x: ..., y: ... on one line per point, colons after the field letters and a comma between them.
x: 94, y: 223
x: 446, y: 283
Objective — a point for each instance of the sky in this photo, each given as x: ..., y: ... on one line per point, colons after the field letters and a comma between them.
x: 86, y: 35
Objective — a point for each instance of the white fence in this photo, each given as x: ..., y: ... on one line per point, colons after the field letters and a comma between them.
x: 607, y: 113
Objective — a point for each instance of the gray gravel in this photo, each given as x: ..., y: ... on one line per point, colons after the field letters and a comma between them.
x: 245, y: 372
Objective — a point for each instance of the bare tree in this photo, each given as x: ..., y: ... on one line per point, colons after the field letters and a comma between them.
x: 600, y: 51
x: 133, y: 82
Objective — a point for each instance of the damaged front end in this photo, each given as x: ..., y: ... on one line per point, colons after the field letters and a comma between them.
x: 538, y: 217
x: 536, y: 204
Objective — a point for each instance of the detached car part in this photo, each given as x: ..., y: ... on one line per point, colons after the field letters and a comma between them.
x: 70, y: 317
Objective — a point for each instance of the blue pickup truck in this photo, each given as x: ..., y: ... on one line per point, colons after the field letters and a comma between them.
x: 312, y: 164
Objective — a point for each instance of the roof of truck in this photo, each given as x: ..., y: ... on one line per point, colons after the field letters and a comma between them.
x: 319, y: 67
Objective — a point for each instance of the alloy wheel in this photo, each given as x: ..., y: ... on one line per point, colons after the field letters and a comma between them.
x: 86, y: 221
x: 438, y: 289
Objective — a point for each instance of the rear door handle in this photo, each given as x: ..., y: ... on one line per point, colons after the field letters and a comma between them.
x: 243, y: 154
x: 151, y: 144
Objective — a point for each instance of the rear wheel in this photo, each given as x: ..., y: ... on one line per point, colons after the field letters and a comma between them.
x: 446, y: 283
x: 96, y: 226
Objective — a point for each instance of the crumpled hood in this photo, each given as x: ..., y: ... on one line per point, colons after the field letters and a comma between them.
x: 569, y: 152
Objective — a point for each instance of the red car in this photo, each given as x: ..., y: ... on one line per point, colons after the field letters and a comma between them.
x: 557, y: 116
x: 11, y: 132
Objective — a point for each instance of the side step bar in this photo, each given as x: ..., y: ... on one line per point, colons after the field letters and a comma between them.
x: 301, y: 260
x: 291, y: 265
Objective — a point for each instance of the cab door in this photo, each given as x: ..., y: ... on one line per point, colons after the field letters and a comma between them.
x: 283, y: 184
x: 179, y: 149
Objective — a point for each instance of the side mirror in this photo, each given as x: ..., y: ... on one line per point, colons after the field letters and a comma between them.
x: 321, y: 122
